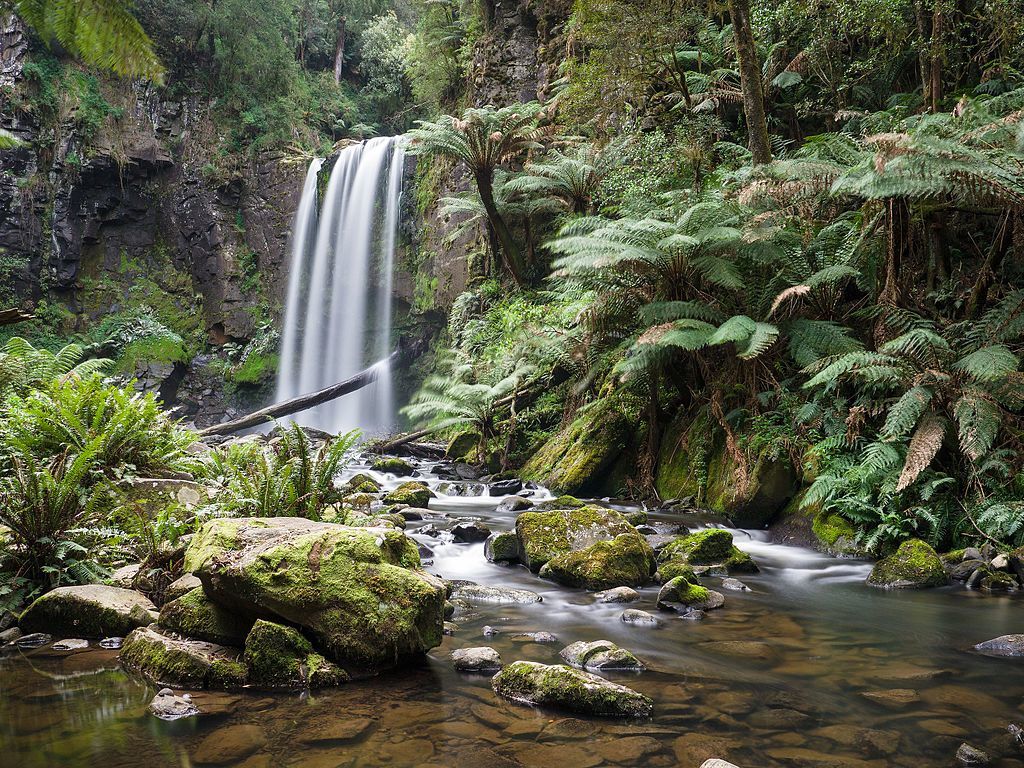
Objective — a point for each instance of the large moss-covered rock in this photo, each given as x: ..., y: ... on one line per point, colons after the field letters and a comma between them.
x: 681, y: 595
x: 195, y: 615
x: 544, y: 535
x: 412, y: 493
x: 625, y: 560
x: 915, y: 565
x: 280, y: 657
x: 392, y: 464
x: 584, y: 457
x: 695, y: 462
x: 711, y: 547
x: 357, y: 591
x: 165, y: 660
x: 570, y: 689
x: 89, y: 610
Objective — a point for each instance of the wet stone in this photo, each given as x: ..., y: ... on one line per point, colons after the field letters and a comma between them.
x: 33, y: 640
x: 735, y: 585
x: 480, y: 660
x: 167, y: 706
x: 450, y: 628
x: 70, y: 644
x: 535, y: 637
x: 640, y: 618
x: 471, y: 532
x: 477, y: 593
x: 600, y: 655
x: 968, y: 755
x: 895, y: 698
x: 230, y: 744
x: 514, y: 504
x: 1005, y: 645
x: 617, y: 595
x: 337, y: 730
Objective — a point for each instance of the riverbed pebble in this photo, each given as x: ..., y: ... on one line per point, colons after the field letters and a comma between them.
x: 617, y: 595
x: 167, y: 706
x: 482, y: 659
x: 970, y: 755
x: 640, y: 618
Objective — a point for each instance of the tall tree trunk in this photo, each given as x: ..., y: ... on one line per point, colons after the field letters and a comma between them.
x: 750, y: 82
x: 923, y: 63
x: 935, y: 60
x: 339, y: 50
x: 510, y: 252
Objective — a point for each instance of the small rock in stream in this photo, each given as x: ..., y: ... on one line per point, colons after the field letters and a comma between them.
x: 513, y: 504
x: 600, y: 655
x: 9, y: 635
x: 505, y: 487
x: 111, y: 643
x: 477, y: 593
x: 715, y: 762
x: 489, y: 631
x: 968, y: 755
x: 1004, y: 645
x: 71, y: 644
x: 535, y: 637
x: 482, y: 659
x: 471, y: 532
x: 166, y: 706
x: 617, y: 595
x: 734, y: 584
x: 640, y: 618
x: 34, y: 640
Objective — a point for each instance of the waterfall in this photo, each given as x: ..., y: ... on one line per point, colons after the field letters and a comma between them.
x: 338, y: 311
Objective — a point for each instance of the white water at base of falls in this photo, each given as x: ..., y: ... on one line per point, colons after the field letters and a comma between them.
x: 338, y: 311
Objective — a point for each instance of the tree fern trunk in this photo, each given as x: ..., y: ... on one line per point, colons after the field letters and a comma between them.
x: 509, y: 250
x: 339, y: 49
x: 750, y: 82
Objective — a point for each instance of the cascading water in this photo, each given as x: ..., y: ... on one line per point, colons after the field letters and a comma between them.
x: 338, y: 311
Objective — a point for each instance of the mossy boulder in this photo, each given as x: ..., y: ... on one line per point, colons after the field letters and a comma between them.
x: 357, y: 593
x: 583, y: 457
x: 392, y: 464
x: 88, y: 611
x: 544, y: 535
x: 412, y: 493
x: 280, y: 657
x: 680, y: 595
x: 462, y: 445
x: 195, y: 615
x: 696, y: 462
x: 565, y: 501
x: 570, y: 689
x: 361, y: 483
x: 836, y: 535
x: 502, y: 547
x: 711, y: 547
x: 915, y: 565
x: 165, y: 660
x: 626, y: 560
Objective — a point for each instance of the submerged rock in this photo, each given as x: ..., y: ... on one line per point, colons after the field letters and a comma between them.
x: 164, y: 660
x: 969, y: 755
x: 535, y: 637
x: 195, y: 615
x: 600, y: 655
x: 915, y: 565
x: 679, y: 595
x: 571, y: 689
x: 280, y: 657
x: 1004, y: 645
x: 166, y: 706
x: 482, y: 659
x: 477, y: 593
x: 411, y: 493
x: 735, y: 585
x: 357, y: 592
x: 90, y: 610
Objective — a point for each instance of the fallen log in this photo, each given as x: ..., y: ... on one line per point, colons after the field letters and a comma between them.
x: 12, y: 316
x: 305, y: 402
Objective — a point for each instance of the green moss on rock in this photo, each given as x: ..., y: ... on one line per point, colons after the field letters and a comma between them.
x: 706, y: 547
x: 581, y: 458
x: 412, y: 493
x: 502, y: 547
x: 627, y: 560
x: 675, y: 568
x: 164, y: 660
x: 356, y: 591
x: 361, y: 483
x: 463, y: 446
x: 392, y: 464
x: 195, y: 615
x: 569, y: 689
x: 280, y: 657
x: 88, y: 611
x: 915, y: 565
x: 544, y: 535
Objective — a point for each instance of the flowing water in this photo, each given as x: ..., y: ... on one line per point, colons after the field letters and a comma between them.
x: 338, y: 310
x: 809, y: 668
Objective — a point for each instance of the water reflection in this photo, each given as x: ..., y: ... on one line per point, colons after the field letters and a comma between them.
x: 809, y: 668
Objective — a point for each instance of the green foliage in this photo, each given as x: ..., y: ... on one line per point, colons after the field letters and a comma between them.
x: 288, y: 479
x: 102, y: 33
x: 23, y: 368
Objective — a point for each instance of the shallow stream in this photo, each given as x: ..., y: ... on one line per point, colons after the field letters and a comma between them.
x: 809, y: 668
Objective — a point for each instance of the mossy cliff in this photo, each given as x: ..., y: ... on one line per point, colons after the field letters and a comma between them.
x: 695, y: 462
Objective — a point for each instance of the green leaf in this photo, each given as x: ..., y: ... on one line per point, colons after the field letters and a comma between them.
x: 988, y: 363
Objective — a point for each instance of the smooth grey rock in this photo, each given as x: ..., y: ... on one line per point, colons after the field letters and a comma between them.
x: 617, y: 595
x: 535, y: 637
x: 968, y: 755
x: 1004, y: 645
x: 71, y: 644
x: 477, y: 593
x: 33, y: 640
x: 181, y: 587
x: 471, y: 532
x: 482, y: 659
x: 735, y: 585
x: 600, y: 655
x: 166, y: 706
x: 640, y: 618
x: 513, y: 504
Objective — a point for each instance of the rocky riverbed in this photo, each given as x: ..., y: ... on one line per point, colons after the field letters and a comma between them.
x: 801, y: 664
